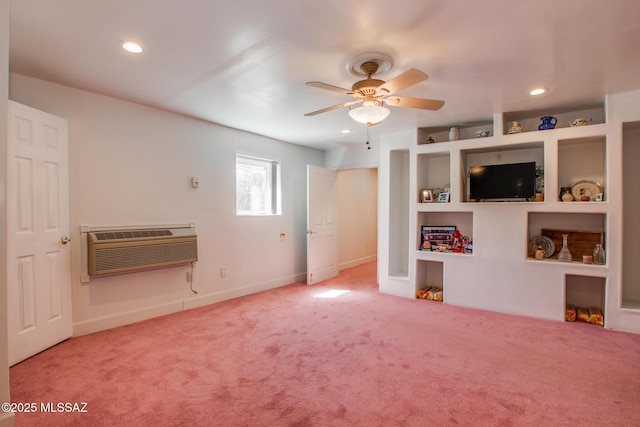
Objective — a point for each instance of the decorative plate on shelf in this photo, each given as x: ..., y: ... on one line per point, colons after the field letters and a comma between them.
x: 545, y: 243
x: 585, y: 188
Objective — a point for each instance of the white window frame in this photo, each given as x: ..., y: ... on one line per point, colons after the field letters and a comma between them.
x: 272, y: 192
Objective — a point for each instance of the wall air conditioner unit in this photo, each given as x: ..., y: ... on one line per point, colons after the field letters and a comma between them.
x: 111, y: 252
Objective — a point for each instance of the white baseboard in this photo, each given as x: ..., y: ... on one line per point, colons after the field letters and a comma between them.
x: 125, y: 318
x: 356, y: 262
x: 200, y: 301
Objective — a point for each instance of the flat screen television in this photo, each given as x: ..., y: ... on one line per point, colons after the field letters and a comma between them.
x: 504, y: 182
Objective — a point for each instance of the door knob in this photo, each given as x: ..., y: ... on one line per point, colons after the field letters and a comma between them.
x: 64, y: 240
x: 311, y: 232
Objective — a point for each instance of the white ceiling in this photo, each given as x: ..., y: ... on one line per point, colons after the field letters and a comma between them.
x: 244, y: 63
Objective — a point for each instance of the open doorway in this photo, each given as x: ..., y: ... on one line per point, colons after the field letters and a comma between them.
x: 358, y: 213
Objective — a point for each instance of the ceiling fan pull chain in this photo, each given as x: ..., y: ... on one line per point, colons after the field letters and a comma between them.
x: 368, y: 136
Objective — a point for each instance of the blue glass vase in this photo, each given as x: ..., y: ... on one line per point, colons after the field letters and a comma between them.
x: 548, y: 122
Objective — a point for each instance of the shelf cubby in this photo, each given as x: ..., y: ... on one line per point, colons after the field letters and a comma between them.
x: 585, y: 291
x: 587, y: 226
x: 631, y: 210
x: 503, y: 154
x: 429, y: 274
x: 582, y: 159
x: 467, y: 130
x: 434, y: 172
x: 399, y: 213
x: 463, y: 221
x: 530, y: 120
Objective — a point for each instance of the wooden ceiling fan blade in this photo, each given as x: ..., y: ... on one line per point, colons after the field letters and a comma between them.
x: 329, y: 87
x: 335, y: 107
x: 403, y: 81
x: 407, y: 102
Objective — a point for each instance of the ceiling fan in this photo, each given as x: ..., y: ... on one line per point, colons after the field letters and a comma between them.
x: 371, y: 95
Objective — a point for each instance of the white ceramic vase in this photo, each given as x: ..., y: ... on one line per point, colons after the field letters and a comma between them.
x: 454, y: 134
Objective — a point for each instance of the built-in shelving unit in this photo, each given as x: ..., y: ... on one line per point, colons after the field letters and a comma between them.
x: 500, y: 273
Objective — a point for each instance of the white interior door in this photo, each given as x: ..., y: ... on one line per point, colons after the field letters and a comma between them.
x: 39, y: 267
x: 322, y: 224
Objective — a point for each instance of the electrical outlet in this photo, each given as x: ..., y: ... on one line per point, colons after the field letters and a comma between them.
x: 223, y: 271
x: 189, y: 277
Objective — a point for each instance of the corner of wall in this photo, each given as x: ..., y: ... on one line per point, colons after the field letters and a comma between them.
x: 358, y: 156
x: 333, y: 158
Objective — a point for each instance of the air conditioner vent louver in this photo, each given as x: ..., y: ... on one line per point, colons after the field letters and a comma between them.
x: 122, y: 251
x: 113, y: 235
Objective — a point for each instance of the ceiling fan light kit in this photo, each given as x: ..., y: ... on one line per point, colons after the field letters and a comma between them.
x: 369, y: 114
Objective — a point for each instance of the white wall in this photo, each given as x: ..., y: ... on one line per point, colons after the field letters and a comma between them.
x: 6, y: 419
x: 131, y: 164
x: 358, y: 213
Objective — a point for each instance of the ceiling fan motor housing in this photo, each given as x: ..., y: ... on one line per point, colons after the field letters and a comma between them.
x: 367, y: 86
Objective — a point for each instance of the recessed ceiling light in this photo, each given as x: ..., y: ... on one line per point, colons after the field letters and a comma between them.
x: 346, y: 131
x: 538, y: 91
x: 131, y: 47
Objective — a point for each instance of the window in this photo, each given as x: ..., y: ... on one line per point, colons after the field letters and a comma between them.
x: 257, y: 186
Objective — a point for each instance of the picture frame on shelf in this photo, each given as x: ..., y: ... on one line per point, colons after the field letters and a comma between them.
x: 443, y: 197
x: 426, y: 195
x: 437, y: 238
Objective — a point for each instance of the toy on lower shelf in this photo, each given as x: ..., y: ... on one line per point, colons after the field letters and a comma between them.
x: 433, y: 293
x: 582, y: 314
x: 588, y: 315
x: 595, y: 316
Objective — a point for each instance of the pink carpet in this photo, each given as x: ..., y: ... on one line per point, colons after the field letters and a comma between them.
x: 290, y: 358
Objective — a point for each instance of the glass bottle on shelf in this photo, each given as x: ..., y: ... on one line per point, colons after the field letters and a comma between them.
x: 599, y: 256
x: 564, y: 255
